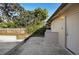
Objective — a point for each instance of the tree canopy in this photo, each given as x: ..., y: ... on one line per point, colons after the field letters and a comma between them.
x: 14, y: 15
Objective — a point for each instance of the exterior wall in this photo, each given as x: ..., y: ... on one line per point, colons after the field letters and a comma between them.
x: 58, y: 25
x: 73, y: 32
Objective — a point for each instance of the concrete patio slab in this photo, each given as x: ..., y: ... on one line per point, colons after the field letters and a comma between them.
x: 38, y: 46
x: 6, y: 46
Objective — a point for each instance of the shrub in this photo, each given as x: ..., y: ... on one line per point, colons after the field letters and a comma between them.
x: 3, y: 25
x: 11, y: 24
x: 33, y: 27
x: 8, y: 24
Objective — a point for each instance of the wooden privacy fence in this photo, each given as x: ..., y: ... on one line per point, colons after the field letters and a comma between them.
x: 19, y: 32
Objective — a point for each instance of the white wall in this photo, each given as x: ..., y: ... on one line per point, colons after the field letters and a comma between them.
x: 58, y: 25
x: 73, y: 32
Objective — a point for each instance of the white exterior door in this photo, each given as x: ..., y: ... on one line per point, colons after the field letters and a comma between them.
x: 73, y: 32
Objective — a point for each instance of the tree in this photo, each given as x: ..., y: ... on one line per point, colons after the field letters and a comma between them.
x: 14, y: 12
x: 7, y: 10
x: 10, y: 10
x: 40, y: 13
x: 22, y: 18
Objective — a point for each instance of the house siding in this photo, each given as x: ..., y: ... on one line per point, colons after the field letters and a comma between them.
x: 58, y: 25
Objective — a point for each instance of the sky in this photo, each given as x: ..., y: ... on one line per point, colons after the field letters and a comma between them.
x: 51, y: 7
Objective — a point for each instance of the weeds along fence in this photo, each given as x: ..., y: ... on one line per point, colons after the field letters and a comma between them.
x: 20, y: 33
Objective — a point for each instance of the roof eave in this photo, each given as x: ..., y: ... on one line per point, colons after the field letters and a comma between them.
x: 60, y: 8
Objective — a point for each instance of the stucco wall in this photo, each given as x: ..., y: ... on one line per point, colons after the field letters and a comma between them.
x: 73, y: 32
x: 58, y: 25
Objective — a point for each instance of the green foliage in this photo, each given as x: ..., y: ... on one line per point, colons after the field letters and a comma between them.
x: 11, y: 24
x: 31, y: 17
x: 10, y: 10
x: 33, y: 27
x: 31, y: 20
x: 8, y: 25
x: 40, y: 32
x: 3, y: 25
x: 40, y: 13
